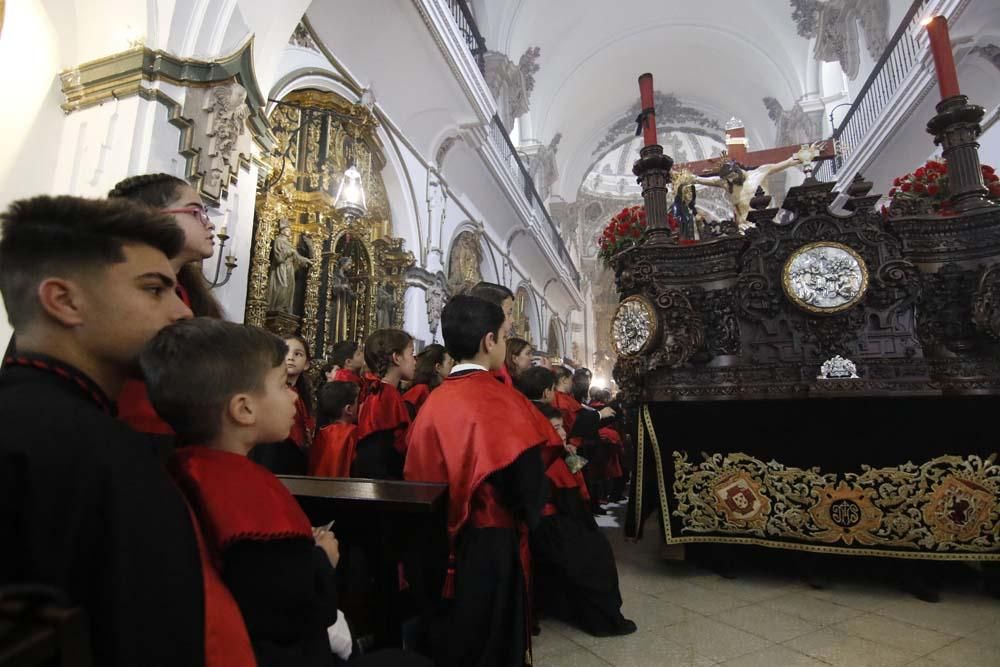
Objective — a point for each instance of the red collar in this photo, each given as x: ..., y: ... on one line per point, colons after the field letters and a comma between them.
x: 236, y: 499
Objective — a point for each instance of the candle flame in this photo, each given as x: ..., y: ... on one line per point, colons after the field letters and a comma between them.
x: 927, y: 21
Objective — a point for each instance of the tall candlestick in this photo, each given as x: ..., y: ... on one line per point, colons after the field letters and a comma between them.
x: 944, y: 60
x: 648, y: 110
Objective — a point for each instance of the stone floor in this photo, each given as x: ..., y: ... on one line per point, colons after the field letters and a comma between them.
x: 763, y: 618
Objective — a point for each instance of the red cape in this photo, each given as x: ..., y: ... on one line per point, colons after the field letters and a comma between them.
x: 568, y: 406
x: 469, y: 428
x: 383, y: 409
x: 417, y: 394
x: 304, y: 424
x: 504, y: 376
x: 346, y: 375
x: 236, y: 499
x: 332, y: 451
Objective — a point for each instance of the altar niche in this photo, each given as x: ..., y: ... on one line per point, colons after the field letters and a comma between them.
x: 315, y: 272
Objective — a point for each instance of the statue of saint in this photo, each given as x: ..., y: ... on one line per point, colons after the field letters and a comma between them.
x: 741, y: 184
x: 342, y: 297
x: 284, y: 262
x: 685, y: 215
x: 385, y: 307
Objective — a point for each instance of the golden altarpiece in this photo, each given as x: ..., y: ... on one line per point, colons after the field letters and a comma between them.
x: 315, y: 271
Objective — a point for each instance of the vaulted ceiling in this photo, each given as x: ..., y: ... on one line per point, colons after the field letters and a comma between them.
x: 715, y: 57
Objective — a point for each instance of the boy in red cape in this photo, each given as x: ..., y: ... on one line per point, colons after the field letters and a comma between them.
x: 349, y: 358
x: 222, y: 388
x: 576, y: 578
x: 333, y: 449
x: 485, y: 441
x: 504, y: 298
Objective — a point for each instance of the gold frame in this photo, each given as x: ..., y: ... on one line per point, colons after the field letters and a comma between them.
x: 311, y: 212
x: 653, y: 335
x: 794, y: 298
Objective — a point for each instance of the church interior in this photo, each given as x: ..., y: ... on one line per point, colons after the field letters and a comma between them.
x: 765, y: 236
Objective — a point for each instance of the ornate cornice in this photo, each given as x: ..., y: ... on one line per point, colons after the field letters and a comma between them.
x: 133, y: 72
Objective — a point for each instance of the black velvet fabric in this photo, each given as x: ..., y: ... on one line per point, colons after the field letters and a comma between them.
x: 87, y: 507
x: 485, y: 625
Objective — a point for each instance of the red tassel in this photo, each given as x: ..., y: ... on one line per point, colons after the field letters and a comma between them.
x: 448, y: 590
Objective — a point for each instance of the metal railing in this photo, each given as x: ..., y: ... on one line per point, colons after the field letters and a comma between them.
x: 897, y: 62
x: 470, y: 31
x: 500, y: 140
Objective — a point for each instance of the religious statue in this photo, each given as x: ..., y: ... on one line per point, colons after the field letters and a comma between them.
x: 683, y: 214
x: 385, y: 307
x: 741, y: 184
x: 284, y: 262
x: 342, y: 297
x: 435, y: 296
x: 463, y: 265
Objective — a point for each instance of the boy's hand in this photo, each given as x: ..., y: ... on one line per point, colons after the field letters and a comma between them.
x: 570, y: 448
x: 327, y: 541
x: 607, y: 413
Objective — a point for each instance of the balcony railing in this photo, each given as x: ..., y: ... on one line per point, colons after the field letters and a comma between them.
x: 470, y: 31
x: 500, y: 140
x: 898, y: 60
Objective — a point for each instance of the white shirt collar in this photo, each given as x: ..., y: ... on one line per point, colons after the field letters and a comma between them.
x: 458, y: 368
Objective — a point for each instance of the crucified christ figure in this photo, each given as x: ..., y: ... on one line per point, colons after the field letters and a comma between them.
x: 741, y: 184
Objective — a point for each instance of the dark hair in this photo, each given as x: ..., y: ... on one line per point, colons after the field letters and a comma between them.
x: 45, y: 236
x: 380, y: 347
x: 514, y: 347
x: 343, y: 351
x: 534, y: 381
x: 562, y: 372
x: 581, y: 384
x: 733, y: 167
x: 598, y: 394
x: 303, y: 385
x: 465, y: 321
x: 156, y: 191
x: 427, y: 362
x: 193, y: 368
x: 333, y: 398
x: 491, y: 292
x: 548, y: 411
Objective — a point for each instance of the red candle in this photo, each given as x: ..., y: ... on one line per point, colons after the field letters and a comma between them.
x: 944, y: 61
x: 649, y: 122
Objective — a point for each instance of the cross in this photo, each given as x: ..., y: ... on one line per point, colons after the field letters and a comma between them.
x: 736, y: 149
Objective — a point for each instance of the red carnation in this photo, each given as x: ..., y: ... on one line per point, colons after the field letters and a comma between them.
x: 933, y: 176
x: 995, y: 189
x: 892, y: 193
x: 933, y: 189
x: 896, y: 181
x: 919, y: 173
x: 987, y: 169
x: 905, y: 187
x: 918, y: 187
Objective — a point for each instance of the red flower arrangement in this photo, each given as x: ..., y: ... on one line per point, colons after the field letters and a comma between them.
x: 931, y: 182
x: 624, y: 230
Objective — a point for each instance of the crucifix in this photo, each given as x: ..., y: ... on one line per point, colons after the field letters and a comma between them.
x: 740, y: 172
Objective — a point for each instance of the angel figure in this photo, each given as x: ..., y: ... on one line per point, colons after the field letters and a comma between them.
x: 741, y: 184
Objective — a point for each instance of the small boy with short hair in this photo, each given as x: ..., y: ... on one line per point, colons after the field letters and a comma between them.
x: 222, y: 388
x: 348, y: 358
x: 333, y: 449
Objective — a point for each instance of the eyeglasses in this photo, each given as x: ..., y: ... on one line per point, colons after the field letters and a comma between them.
x: 199, y: 212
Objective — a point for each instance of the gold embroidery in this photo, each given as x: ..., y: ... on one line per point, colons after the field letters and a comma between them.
x: 945, y: 509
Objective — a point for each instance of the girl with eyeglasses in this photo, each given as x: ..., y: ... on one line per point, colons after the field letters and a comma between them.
x: 175, y: 197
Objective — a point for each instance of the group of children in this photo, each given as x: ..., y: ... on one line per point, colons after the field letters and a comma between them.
x: 93, y: 292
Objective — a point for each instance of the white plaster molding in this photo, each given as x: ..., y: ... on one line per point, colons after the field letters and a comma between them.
x: 438, y: 19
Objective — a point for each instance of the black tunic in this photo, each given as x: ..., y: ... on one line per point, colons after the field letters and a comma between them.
x: 87, y: 506
x: 484, y: 624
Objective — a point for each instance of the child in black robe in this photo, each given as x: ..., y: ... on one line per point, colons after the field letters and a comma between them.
x: 575, y: 575
x: 222, y: 388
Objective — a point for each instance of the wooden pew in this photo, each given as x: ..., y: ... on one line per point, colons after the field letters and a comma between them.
x: 390, y: 522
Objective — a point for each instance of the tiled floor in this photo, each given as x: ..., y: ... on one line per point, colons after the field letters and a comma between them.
x: 767, y: 617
